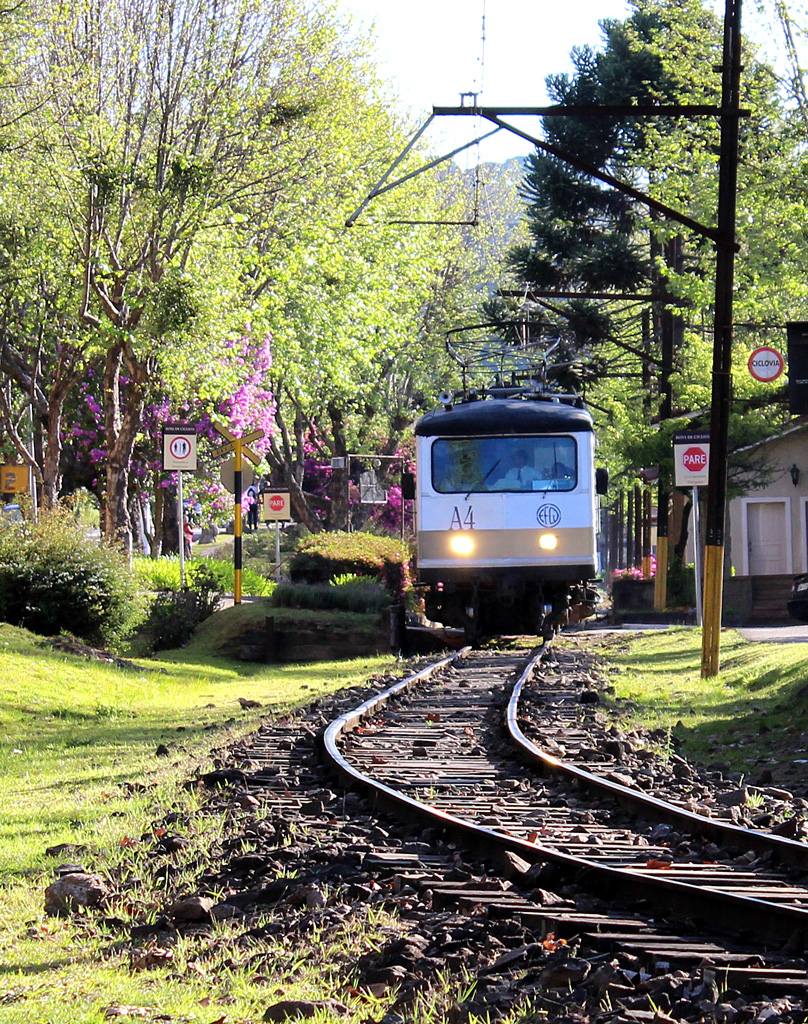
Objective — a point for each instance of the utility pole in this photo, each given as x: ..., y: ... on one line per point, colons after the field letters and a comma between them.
x: 671, y: 332
x: 722, y: 342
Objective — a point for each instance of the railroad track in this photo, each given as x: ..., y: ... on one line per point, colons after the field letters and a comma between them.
x: 433, y: 748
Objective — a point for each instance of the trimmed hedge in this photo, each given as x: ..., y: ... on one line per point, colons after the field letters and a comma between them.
x: 323, y: 556
x: 364, y: 597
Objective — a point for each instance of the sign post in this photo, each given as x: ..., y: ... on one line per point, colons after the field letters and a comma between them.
x: 238, y: 446
x: 691, y: 465
x: 276, y: 508
x: 179, y: 455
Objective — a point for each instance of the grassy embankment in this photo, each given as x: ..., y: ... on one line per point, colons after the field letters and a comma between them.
x: 77, y: 750
x: 752, y: 716
x: 74, y: 736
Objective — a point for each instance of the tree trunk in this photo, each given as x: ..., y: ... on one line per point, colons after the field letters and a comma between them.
x: 684, y: 531
x: 282, y: 455
x: 122, y: 423
x: 140, y: 541
x: 159, y: 510
x: 169, y: 526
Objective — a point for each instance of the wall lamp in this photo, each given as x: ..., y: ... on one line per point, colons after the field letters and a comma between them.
x: 795, y: 473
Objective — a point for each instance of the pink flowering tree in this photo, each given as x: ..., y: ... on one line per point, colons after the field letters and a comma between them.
x: 231, y: 389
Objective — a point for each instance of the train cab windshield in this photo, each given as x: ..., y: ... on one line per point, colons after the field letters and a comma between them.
x: 479, y: 464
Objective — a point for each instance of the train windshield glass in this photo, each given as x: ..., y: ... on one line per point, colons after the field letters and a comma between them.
x: 477, y: 464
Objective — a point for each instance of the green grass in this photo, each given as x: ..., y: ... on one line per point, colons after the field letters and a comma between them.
x: 164, y: 574
x: 74, y: 734
x: 753, y: 713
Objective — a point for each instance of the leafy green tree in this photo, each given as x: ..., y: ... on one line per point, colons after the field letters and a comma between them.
x: 171, y: 138
x: 586, y: 238
x: 195, y: 164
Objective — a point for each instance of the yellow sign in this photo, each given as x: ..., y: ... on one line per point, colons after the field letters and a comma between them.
x: 14, y: 479
x: 234, y: 442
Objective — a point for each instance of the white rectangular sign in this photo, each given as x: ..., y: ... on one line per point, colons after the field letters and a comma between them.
x: 691, y: 459
x: 276, y: 506
x: 179, y: 448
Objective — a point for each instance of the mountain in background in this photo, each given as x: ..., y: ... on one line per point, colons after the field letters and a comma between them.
x: 500, y: 218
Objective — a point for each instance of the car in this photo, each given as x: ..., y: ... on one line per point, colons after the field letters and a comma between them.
x: 798, y: 598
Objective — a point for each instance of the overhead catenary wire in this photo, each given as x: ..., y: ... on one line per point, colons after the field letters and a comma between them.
x: 383, y: 186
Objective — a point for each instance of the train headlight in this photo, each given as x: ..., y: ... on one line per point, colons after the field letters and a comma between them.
x: 548, y: 541
x: 461, y: 544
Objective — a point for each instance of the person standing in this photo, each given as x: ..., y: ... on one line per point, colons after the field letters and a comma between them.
x: 187, y: 536
x: 252, y: 508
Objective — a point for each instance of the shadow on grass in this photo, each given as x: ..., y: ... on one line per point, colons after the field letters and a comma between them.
x: 33, y: 969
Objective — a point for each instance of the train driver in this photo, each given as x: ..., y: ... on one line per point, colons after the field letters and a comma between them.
x: 520, y: 475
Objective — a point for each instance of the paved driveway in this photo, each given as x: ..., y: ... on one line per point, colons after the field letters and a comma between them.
x: 793, y: 633
x: 790, y: 634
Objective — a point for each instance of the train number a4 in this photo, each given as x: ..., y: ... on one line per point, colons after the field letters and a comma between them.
x: 460, y: 522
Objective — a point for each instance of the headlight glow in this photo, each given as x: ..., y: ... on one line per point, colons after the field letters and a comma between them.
x: 461, y: 544
x: 548, y: 542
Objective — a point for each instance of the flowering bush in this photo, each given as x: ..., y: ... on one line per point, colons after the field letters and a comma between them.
x: 248, y: 405
x: 635, y: 572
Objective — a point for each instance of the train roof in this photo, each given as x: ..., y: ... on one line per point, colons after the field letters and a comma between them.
x: 497, y: 416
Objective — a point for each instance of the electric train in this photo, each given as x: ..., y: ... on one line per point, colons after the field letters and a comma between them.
x: 507, y: 511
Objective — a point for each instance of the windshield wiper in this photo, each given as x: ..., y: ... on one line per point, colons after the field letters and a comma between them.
x: 490, y: 471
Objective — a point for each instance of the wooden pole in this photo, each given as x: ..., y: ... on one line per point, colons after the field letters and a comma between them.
x: 630, y: 528
x: 722, y: 342
x: 646, y: 534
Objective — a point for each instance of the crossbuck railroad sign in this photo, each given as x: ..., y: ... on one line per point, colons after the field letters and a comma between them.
x: 233, y: 443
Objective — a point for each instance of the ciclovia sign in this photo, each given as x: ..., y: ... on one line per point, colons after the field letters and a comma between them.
x: 766, y: 364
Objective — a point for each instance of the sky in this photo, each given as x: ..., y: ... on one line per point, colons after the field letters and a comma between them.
x: 433, y: 51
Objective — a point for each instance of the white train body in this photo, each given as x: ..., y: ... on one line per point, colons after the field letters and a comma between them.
x: 506, y: 513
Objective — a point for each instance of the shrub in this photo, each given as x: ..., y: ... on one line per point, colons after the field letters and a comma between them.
x: 681, y: 584
x: 54, y: 580
x: 164, y: 574
x: 175, y: 614
x: 361, y: 595
x: 323, y: 556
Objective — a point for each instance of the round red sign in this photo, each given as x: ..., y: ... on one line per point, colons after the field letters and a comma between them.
x: 276, y: 502
x: 766, y: 364
x: 694, y: 459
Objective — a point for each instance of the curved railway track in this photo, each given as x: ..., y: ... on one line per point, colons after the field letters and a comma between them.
x: 432, y: 748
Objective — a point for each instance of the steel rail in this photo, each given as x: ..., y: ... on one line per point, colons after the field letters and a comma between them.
x: 771, y: 922
x: 787, y: 851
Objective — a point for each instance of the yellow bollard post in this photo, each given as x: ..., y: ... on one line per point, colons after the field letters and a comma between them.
x: 711, y: 629
x: 661, y: 578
